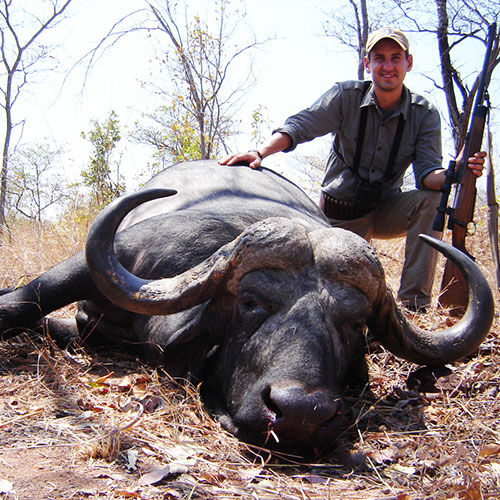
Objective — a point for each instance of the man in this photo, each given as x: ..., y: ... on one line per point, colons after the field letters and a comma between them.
x: 378, y: 130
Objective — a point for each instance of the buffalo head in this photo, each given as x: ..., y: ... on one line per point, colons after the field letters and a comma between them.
x: 292, y: 306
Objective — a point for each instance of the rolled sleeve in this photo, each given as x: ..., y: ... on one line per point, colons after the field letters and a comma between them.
x: 320, y: 119
x: 428, y: 152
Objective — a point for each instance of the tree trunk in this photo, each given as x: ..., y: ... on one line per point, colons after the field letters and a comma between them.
x: 364, y: 36
x: 447, y: 70
x: 5, y: 154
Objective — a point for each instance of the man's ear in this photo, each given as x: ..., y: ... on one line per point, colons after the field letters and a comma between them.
x: 409, y: 63
x: 366, y: 62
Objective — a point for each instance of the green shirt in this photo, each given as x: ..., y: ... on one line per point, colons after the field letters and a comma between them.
x: 338, y: 112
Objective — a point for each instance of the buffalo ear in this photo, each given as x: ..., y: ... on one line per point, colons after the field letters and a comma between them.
x: 387, y: 327
x: 181, y: 342
x: 186, y: 326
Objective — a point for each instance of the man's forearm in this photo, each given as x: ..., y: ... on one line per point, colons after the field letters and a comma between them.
x: 279, y: 141
x: 434, y: 180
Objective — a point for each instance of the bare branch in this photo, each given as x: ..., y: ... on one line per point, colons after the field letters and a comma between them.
x: 18, y: 67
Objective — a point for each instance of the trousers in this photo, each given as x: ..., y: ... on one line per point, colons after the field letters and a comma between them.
x: 409, y: 214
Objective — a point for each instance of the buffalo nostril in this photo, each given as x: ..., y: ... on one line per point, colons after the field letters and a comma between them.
x: 298, y: 410
x: 271, y: 405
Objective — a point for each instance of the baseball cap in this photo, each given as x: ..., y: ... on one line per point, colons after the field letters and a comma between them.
x: 387, y: 32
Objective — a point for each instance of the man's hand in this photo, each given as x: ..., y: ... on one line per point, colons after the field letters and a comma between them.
x: 435, y: 179
x: 250, y: 157
x: 476, y: 163
x: 279, y: 141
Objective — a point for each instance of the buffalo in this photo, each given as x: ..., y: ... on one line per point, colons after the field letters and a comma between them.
x: 233, y: 278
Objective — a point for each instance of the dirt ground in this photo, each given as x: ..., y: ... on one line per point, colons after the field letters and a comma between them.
x: 74, y: 425
x: 80, y: 425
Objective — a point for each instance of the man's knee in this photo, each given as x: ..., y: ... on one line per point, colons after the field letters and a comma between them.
x: 426, y: 203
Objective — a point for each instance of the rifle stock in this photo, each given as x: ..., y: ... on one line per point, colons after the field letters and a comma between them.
x: 453, y: 288
x: 461, y: 216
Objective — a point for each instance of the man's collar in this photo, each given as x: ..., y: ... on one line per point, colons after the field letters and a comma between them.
x: 369, y: 99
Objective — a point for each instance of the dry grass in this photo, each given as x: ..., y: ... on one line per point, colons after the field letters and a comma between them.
x: 75, y: 425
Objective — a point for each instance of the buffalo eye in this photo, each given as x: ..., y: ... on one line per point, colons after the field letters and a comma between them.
x: 252, y: 310
x: 250, y: 304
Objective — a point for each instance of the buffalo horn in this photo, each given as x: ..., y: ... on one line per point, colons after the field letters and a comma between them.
x: 272, y: 243
x: 408, y: 341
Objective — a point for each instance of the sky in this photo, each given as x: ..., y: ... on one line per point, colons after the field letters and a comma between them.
x: 291, y: 71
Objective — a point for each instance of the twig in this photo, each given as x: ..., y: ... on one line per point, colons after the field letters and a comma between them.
x: 21, y: 417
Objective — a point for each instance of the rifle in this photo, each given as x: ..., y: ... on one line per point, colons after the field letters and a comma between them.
x: 460, y: 215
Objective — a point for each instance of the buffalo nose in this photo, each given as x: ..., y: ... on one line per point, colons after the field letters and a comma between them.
x: 300, y: 414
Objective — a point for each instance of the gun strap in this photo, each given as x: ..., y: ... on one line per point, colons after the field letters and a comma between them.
x: 361, y: 137
x: 361, y: 130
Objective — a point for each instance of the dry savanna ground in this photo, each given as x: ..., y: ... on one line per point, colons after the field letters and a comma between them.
x: 84, y: 425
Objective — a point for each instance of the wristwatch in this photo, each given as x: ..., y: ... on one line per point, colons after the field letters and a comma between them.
x: 257, y: 152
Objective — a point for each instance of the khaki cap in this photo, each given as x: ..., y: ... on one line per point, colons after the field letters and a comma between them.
x: 387, y: 32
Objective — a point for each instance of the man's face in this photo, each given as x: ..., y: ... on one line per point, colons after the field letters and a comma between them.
x: 388, y: 65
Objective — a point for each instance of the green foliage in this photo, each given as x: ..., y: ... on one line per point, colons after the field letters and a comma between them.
x: 98, y: 175
x: 181, y: 133
x: 198, y: 51
x: 260, y: 124
x: 173, y: 133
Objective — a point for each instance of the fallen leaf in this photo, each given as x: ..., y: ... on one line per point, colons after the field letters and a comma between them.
x: 127, y: 494
x: 156, y: 475
x: 314, y: 479
x: 131, y: 456
x: 472, y: 492
x: 489, y: 450
x: 108, y: 475
x: 184, y: 452
x: 214, y: 479
x: 152, y: 403
x: 171, y: 494
x: 385, y: 456
x: 403, y: 496
x: 250, y: 474
x: 100, y: 380
x: 404, y: 469
x: 142, y: 379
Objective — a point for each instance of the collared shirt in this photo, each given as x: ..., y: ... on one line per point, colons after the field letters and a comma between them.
x: 338, y: 112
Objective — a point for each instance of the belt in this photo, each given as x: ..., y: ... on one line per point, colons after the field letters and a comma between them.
x: 340, y: 209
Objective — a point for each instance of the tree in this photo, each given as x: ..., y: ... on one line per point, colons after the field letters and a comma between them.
x: 456, y: 24
x: 173, y: 134
x: 98, y: 175
x: 200, y: 54
x: 21, y: 53
x: 200, y: 62
x: 453, y: 23
x: 352, y: 22
x: 35, y: 185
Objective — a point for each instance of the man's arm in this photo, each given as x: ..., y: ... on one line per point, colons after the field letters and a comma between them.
x: 434, y: 180
x: 279, y: 141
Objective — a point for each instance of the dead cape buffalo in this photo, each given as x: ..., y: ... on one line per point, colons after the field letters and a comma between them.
x: 238, y: 281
